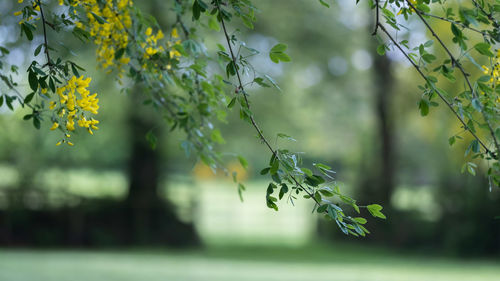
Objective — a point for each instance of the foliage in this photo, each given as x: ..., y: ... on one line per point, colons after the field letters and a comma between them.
x: 474, y: 30
x: 180, y: 81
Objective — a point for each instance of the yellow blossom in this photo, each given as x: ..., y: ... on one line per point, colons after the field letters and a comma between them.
x: 486, y: 70
x: 55, y: 125
x: 174, y: 33
x: 150, y: 51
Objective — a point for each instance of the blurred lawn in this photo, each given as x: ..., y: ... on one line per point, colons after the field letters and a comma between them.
x: 238, y: 263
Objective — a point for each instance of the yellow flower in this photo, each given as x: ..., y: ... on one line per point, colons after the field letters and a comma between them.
x: 59, y: 143
x: 150, y: 51
x: 20, y: 1
x: 55, y: 125
x: 18, y: 13
x: 486, y: 70
x: 149, y: 31
x: 159, y: 35
x: 174, y: 33
x: 70, y: 143
x: 124, y: 60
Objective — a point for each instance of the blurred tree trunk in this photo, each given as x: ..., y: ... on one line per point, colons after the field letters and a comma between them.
x: 377, y: 184
x: 378, y: 170
x: 152, y: 219
x: 143, y: 177
x: 384, y: 159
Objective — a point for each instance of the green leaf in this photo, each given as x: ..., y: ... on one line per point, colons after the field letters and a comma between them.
x: 484, y: 49
x: 274, y: 167
x: 283, y: 190
x: 270, y: 79
x: 243, y: 162
x: 216, y: 136
x: 213, y: 23
x: 260, y: 81
x: 428, y: 58
x: 36, y: 122
x: 25, y: 28
x: 279, y: 48
x: 38, y: 49
x: 285, y: 136
x: 231, y: 103
x: 375, y: 209
x: 52, y: 85
x: 277, y: 53
x: 265, y: 171
x: 423, y: 105
x: 119, y: 53
x: 99, y: 19
x: 476, y: 104
x: 29, y: 97
x: 452, y: 140
x: 33, y: 81
x: 74, y: 70
x: 324, y: 3
x: 196, y: 10
x: 241, y: 188
x: 322, y: 208
x: 360, y: 220
x: 231, y: 69
x: 381, y: 49
x: 326, y: 193
x: 455, y: 30
x: 235, y: 176
x: 307, y: 171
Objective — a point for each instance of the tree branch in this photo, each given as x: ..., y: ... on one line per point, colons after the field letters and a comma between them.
x: 455, y: 22
x: 252, y: 120
x: 464, y: 74
x: 44, y: 23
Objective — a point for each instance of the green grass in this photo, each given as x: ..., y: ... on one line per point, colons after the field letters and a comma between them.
x: 347, y: 263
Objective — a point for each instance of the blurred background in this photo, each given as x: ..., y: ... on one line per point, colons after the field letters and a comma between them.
x: 110, y: 208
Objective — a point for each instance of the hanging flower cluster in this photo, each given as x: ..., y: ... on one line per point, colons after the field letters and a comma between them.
x: 31, y: 13
x: 173, y: 53
x: 75, y: 104
x: 494, y: 73
x: 108, y: 25
x: 151, y: 46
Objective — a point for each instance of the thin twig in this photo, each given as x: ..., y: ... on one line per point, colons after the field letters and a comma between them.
x: 455, y: 22
x: 376, y: 17
x: 180, y: 22
x: 44, y: 23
